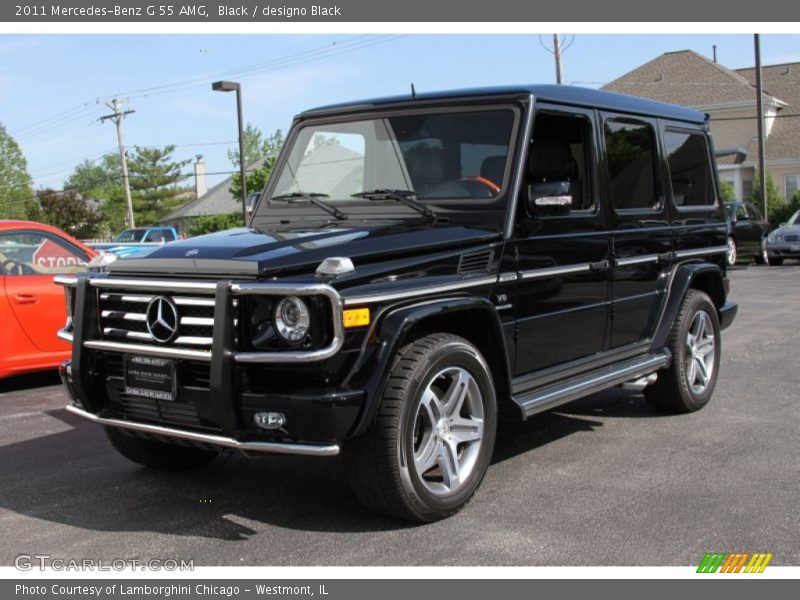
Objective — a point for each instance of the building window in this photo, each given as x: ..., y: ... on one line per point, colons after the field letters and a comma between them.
x: 747, y: 190
x: 792, y: 185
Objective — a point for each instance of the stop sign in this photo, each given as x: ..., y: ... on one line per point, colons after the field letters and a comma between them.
x: 50, y: 255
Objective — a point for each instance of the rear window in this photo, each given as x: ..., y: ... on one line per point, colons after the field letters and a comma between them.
x: 689, y: 169
x: 631, y: 151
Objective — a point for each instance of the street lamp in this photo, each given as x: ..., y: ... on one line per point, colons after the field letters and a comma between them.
x: 232, y: 86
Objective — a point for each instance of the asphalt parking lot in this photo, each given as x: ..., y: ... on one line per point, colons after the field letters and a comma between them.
x: 603, y: 481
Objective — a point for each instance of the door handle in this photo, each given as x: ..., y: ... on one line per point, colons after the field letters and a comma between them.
x: 25, y: 298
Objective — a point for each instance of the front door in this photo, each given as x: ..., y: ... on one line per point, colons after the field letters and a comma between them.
x: 562, y: 257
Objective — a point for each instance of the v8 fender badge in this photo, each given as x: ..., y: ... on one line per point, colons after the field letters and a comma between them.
x: 192, y: 252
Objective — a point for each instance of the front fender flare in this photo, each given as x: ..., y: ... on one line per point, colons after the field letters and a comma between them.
x: 392, y: 331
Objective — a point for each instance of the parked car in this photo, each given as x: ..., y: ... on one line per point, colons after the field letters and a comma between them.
x: 32, y: 308
x: 415, y: 267
x: 748, y: 231
x: 784, y: 242
x: 138, y: 240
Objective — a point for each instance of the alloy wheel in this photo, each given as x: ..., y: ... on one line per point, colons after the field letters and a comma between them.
x: 448, y: 431
x: 700, y: 352
x: 731, y: 252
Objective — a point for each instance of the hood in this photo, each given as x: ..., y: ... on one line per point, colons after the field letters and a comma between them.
x: 272, y: 250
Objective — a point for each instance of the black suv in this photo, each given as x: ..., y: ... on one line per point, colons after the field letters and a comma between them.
x: 415, y: 268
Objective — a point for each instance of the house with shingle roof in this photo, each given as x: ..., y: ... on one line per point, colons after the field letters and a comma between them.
x: 729, y: 98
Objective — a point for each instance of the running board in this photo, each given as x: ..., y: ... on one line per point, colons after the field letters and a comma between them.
x: 553, y: 395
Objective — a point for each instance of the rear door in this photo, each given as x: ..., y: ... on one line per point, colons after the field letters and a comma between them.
x: 28, y: 261
x: 641, y: 234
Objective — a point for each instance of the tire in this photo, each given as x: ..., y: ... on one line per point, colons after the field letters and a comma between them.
x: 155, y: 454
x: 732, y: 253
x: 762, y: 257
x: 775, y: 261
x: 398, y: 466
x: 686, y: 386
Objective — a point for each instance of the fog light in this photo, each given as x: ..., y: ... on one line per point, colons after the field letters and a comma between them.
x: 269, y: 420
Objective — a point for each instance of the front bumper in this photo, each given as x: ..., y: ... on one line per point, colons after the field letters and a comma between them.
x: 783, y: 250
x: 198, y: 437
x: 220, y: 391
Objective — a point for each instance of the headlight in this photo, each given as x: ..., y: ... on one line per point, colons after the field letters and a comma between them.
x: 292, y: 319
x: 101, y: 261
x: 775, y: 236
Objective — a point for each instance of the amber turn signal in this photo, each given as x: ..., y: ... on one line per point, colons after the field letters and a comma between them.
x: 355, y: 317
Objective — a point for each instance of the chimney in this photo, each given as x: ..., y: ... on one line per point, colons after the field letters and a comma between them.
x: 715, y: 52
x: 200, y: 187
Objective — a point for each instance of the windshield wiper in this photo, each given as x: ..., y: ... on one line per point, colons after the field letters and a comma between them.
x: 313, y: 198
x: 403, y: 196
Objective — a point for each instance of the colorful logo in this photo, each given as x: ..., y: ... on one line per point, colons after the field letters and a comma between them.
x: 734, y: 562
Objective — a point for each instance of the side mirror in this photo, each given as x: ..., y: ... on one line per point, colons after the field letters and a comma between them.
x: 549, y: 198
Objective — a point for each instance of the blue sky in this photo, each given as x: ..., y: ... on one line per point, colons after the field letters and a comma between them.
x: 50, y: 84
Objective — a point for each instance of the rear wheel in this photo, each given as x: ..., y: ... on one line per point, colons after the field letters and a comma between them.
x: 732, y: 253
x: 433, y: 437
x: 156, y: 454
x: 688, y: 383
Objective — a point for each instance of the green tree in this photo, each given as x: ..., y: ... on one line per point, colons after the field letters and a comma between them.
x: 15, y: 182
x: 154, y: 181
x: 68, y: 211
x: 267, y: 151
x: 211, y: 223
x: 101, y: 180
x: 777, y: 208
x: 727, y: 191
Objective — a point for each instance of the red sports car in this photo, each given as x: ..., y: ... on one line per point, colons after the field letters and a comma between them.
x: 32, y: 307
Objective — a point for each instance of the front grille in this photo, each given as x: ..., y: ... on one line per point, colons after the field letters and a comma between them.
x: 123, y: 319
x: 792, y: 237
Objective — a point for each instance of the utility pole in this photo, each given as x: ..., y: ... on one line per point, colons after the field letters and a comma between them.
x: 762, y: 174
x: 117, y: 117
x: 557, y: 55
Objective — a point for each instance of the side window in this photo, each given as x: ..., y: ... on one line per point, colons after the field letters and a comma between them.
x: 631, y: 157
x: 562, y: 155
x: 754, y: 213
x: 741, y: 213
x: 689, y: 169
x: 35, y: 253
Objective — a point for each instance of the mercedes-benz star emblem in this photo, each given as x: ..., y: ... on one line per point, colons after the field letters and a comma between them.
x: 162, y: 319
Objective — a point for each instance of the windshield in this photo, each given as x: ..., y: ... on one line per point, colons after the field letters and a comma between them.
x: 436, y: 156
x: 130, y: 235
x: 795, y: 219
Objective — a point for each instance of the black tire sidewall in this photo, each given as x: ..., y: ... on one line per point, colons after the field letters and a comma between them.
x: 453, y: 353
x: 695, y: 303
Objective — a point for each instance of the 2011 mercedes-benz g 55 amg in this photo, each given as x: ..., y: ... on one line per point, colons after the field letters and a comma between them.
x: 416, y: 267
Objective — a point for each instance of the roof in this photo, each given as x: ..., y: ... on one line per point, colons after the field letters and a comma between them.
x: 563, y: 94
x: 783, y: 81
x: 218, y: 200
x: 685, y: 77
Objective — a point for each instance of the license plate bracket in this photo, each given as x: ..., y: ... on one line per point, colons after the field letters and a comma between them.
x: 150, y: 377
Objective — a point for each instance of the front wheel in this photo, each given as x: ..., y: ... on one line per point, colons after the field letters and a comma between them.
x: 762, y: 257
x: 775, y: 261
x: 688, y: 383
x: 431, y: 443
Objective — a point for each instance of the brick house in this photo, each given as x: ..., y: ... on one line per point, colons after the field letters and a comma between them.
x: 729, y: 97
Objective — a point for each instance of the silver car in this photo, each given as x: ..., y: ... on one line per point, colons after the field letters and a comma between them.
x: 784, y: 242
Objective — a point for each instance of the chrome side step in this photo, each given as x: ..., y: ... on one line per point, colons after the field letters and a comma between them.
x: 547, y: 397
